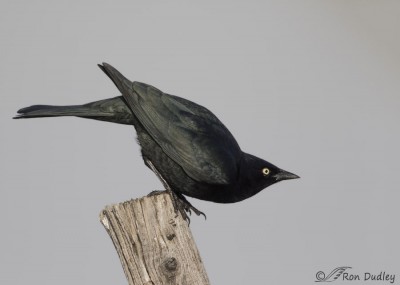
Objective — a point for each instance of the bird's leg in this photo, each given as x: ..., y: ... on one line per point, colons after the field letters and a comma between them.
x: 178, y: 200
x: 183, y: 206
x: 188, y: 206
x: 179, y: 204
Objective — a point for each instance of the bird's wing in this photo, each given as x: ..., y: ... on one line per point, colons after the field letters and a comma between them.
x: 188, y: 133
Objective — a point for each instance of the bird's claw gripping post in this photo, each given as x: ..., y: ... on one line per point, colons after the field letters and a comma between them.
x: 180, y: 204
x: 184, y: 206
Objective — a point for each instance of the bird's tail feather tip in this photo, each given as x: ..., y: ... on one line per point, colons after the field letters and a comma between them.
x: 22, y: 112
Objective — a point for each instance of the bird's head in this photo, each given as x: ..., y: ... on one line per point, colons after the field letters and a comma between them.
x: 257, y: 174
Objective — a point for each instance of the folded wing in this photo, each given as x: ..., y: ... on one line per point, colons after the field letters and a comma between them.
x: 188, y: 133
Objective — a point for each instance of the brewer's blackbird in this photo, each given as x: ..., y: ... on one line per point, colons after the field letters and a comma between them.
x: 183, y: 143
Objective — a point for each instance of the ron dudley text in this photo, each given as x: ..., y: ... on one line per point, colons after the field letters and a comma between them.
x: 382, y: 276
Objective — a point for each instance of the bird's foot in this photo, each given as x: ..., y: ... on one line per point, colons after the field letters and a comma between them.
x: 183, y: 206
x: 180, y: 204
x: 156, y: 192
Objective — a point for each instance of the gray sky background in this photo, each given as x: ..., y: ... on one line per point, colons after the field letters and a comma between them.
x: 311, y: 86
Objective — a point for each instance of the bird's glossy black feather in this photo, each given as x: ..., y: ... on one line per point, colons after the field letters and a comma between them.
x: 196, y: 140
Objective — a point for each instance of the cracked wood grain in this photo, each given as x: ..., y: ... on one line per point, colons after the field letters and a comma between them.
x: 154, y: 245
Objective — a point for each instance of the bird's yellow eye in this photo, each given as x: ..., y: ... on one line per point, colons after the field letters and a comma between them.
x: 265, y: 171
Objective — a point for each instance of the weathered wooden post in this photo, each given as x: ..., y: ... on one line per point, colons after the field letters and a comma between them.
x: 154, y: 245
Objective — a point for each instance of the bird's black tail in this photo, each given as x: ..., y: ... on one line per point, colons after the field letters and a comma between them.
x: 38, y: 111
x: 110, y: 110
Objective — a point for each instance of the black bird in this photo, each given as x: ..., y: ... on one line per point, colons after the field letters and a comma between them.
x: 183, y: 143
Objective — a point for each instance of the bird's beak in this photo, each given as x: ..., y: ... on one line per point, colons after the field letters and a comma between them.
x: 285, y: 175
